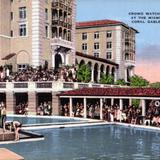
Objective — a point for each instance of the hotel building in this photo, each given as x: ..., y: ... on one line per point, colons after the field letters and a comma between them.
x: 37, y: 32
x: 110, y: 40
x: 40, y: 32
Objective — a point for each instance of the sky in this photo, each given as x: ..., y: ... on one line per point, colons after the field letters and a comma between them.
x: 148, y: 38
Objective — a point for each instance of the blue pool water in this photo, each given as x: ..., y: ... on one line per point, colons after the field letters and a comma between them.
x: 35, y: 120
x: 109, y: 142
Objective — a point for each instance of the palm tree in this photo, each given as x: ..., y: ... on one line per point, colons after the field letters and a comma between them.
x: 84, y: 73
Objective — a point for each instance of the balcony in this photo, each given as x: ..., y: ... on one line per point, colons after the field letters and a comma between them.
x: 54, y: 86
x: 44, y: 85
x: 20, y: 85
x: 2, y: 85
x: 62, y: 42
x: 130, y: 63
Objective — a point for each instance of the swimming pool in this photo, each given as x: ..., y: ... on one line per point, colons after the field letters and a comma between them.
x: 107, y: 142
x: 40, y: 120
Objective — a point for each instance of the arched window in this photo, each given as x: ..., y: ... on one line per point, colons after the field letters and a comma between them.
x: 107, y: 70
x: 58, y: 61
x: 126, y: 56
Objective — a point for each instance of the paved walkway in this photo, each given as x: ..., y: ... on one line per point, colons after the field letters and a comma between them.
x: 6, y: 154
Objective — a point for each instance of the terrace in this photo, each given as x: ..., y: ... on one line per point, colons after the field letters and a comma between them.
x: 48, y: 86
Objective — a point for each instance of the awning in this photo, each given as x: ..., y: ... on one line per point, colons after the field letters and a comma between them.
x: 8, y: 56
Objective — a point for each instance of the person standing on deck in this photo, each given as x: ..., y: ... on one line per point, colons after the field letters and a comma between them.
x: 17, y: 126
x: 4, y: 117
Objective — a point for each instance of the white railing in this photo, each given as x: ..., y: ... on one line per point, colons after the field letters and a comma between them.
x: 60, y: 41
x: 53, y: 86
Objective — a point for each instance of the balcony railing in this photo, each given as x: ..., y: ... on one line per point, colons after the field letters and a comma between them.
x: 54, y: 86
x: 96, y: 85
x: 2, y: 85
x: 83, y: 85
x: 20, y: 85
x: 68, y: 85
x: 44, y: 85
x: 65, y: 43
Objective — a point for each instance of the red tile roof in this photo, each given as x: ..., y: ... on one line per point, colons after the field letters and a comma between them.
x: 97, y: 59
x: 100, y: 23
x: 97, y: 23
x: 137, y: 92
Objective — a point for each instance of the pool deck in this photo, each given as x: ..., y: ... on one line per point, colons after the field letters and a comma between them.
x: 7, y: 135
x: 6, y: 154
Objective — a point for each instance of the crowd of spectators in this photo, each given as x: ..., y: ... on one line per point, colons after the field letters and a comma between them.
x: 65, y: 73
x: 153, y: 115
x: 130, y: 114
x: 78, y: 110
x: 44, y: 109
x: 21, y: 108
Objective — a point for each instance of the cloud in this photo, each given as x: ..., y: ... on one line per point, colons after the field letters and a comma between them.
x: 149, y: 52
x: 149, y: 70
x: 148, y: 62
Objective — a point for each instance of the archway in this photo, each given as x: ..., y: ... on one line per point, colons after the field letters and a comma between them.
x: 107, y: 70
x: 128, y: 74
x: 81, y: 62
x: 113, y: 72
x: 23, y: 60
x: 58, y: 61
x: 90, y: 67
x: 102, y: 70
x: 96, y: 72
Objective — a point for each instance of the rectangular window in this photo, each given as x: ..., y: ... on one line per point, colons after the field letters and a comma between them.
x: 46, y: 13
x: 84, y: 46
x: 109, y: 34
x: 84, y: 36
x: 96, y: 45
x: 22, y: 29
x: 96, y: 35
x: 22, y: 67
x: 96, y: 55
x: 47, y: 31
x: 11, y: 33
x: 22, y: 12
x: 109, y: 45
x: 11, y: 16
x: 109, y: 55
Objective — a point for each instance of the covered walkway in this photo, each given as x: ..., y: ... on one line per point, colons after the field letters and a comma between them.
x: 119, y: 96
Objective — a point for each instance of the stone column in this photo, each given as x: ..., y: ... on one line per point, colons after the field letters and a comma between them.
x: 55, y: 104
x: 115, y: 75
x: 70, y: 107
x: 101, y: 109
x: 130, y: 101
x: 99, y: 74
x: 125, y: 78
x: 131, y: 72
x: 10, y: 102
x: 121, y: 108
x: 92, y: 74
x: 32, y: 102
x: 53, y: 60
x: 121, y: 104
x: 85, y: 107
x: 143, y: 103
x: 112, y: 101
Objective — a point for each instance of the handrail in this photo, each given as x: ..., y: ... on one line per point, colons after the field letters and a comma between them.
x: 50, y: 85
